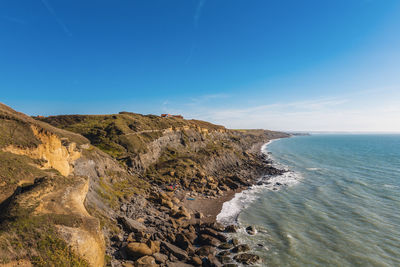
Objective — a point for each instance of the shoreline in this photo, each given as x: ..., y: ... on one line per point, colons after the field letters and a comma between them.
x: 210, y: 208
x: 181, y: 225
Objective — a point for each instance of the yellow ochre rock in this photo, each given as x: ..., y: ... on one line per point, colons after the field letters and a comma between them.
x: 138, y: 250
x: 56, y: 155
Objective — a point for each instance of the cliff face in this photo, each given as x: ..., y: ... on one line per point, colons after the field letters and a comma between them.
x: 65, y: 181
x: 168, y: 150
x: 43, y: 219
x: 54, y: 152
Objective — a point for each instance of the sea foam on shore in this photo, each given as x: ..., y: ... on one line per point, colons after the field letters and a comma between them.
x: 231, y: 209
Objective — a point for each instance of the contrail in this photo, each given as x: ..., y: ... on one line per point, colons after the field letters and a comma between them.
x: 12, y: 19
x: 189, y: 57
x: 59, y: 21
x: 196, y: 19
x: 197, y: 14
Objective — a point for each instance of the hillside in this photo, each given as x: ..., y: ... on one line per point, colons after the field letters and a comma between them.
x: 75, y: 187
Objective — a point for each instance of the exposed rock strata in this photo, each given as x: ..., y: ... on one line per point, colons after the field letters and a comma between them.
x: 124, y: 191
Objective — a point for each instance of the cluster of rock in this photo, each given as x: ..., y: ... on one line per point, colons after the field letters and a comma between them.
x: 164, y: 233
x: 157, y: 229
x: 207, y: 186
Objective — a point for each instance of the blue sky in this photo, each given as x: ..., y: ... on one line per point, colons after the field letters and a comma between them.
x: 283, y: 65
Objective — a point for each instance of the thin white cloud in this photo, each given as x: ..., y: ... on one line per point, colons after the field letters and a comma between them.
x: 367, y: 110
x: 58, y: 20
x: 205, y: 98
x: 326, y: 114
x: 301, y: 106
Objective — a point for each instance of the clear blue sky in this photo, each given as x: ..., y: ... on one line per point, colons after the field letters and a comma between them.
x: 288, y: 65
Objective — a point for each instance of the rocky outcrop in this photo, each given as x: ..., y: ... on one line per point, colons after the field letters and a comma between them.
x: 247, y: 259
x: 56, y: 199
x: 53, y: 151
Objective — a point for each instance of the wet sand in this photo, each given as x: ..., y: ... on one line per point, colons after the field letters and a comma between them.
x: 209, y: 207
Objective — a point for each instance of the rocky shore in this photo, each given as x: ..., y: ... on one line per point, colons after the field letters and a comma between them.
x: 179, y: 227
x: 122, y: 189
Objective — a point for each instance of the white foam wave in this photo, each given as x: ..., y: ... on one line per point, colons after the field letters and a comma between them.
x: 313, y: 169
x: 231, y: 209
x: 390, y: 186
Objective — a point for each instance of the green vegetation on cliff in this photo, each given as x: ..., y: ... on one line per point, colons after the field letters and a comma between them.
x: 31, y: 211
x: 63, y: 179
x: 126, y: 133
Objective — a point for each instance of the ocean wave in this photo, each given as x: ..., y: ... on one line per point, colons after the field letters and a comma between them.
x: 313, y: 169
x: 390, y: 186
x: 231, y: 209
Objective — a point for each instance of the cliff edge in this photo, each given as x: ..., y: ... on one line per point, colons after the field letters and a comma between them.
x: 95, y: 190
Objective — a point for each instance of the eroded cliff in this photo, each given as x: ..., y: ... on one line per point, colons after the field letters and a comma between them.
x: 43, y: 219
x: 70, y: 184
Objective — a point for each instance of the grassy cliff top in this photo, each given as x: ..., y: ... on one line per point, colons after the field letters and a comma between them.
x: 16, y: 129
x: 124, y: 122
x: 125, y: 133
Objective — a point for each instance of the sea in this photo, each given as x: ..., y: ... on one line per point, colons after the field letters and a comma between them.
x: 338, y: 204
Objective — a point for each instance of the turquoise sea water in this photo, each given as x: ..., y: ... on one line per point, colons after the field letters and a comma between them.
x: 341, y: 205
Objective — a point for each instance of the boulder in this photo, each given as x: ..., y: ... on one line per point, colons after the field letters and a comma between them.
x: 224, y: 253
x: 234, y: 241
x: 191, y: 229
x: 214, y: 233
x: 211, y: 261
x: 217, y: 226
x: 141, y: 220
x: 251, y: 230
x: 124, y: 207
x: 175, y: 200
x: 205, y: 251
x: 131, y: 225
x: 174, y: 250
x: 239, y: 180
x: 247, y: 259
x: 167, y: 203
x: 225, y: 246
x: 178, y: 264
x: 196, y: 261
x: 198, y: 215
x: 131, y: 238
x: 191, y: 250
x: 137, y: 250
x: 191, y: 236
x: 231, y: 184
x: 183, y: 222
x: 231, y: 228
x: 117, y: 238
x: 171, y: 237
x: 208, y: 240
x: 146, y: 261
x: 241, y: 248
x: 181, y: 213
x: 140, y: 235
x: 160, y: 258
x: 182, y: 241
x: 224, y: 259
x: 154, y: 246
x: 173, y: 222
